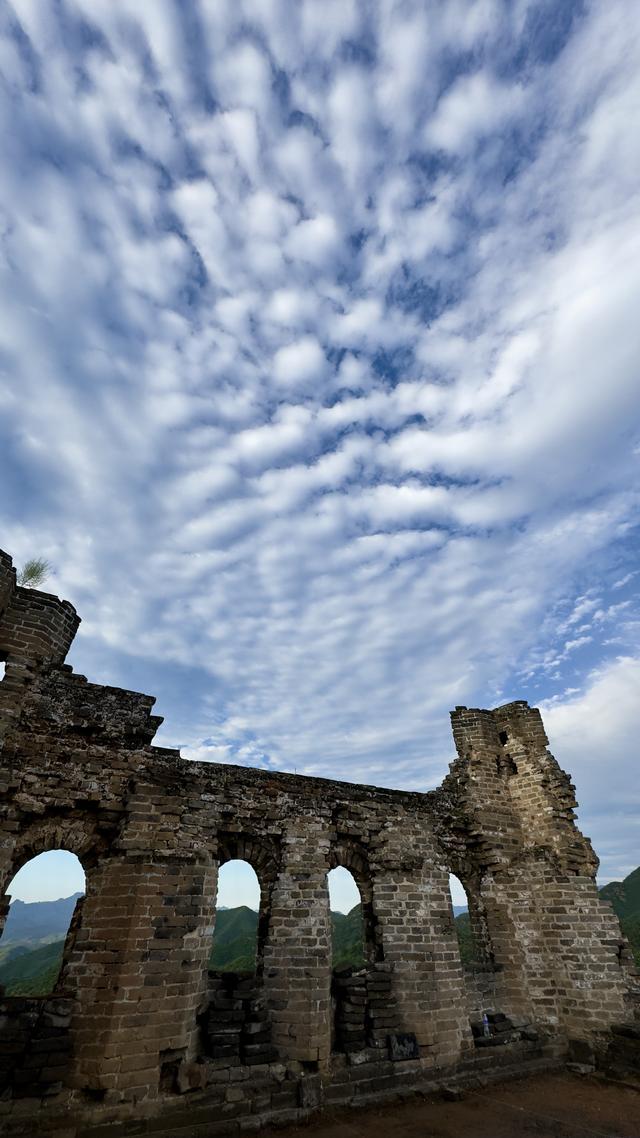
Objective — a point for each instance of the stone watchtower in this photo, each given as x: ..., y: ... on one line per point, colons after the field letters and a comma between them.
x: 140, y: 1033
x: 556, y: 947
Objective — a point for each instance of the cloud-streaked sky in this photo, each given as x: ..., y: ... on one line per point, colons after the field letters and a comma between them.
x: 319, y: 370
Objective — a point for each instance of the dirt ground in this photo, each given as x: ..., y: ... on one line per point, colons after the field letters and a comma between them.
x: 547, y: 1106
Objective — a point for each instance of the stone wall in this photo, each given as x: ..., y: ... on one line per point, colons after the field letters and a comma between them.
x: 147, y: 1025
x: 530, y: 874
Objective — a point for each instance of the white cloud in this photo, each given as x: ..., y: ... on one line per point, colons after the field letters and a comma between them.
x: 300, y: 364
x: 315, y: 241
x: 319, y: 382
x: 360, y: 325
x: 272, y: 442
x: 291, y: 307
x: 268, y: 215
x: 242, y: 77
x: 242, y: 130
x: 352, y: 119
x: 474, y: 107
x: 594, y: 735
x: 197, y: 205
x: 325, y: 25
x: 209, y: 753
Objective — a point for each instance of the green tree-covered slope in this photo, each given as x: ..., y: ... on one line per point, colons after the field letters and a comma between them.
x: 466, y: 942
x: 346, y: 938
x: 31, y: 948
x: 624, y: 895
x: 234, y: 940
x: 625, y: 898
x: 32, y: 972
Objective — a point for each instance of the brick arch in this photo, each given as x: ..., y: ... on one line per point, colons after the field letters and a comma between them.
x: 470, y: 877
x: 263, y: 855
x: 74, y: 831
x: 78, y: 835
x: 40, y: 839
x: 350, y: 853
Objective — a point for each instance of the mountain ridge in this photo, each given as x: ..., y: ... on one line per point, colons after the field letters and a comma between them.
x: 33, y: 941
x: 29, y: 921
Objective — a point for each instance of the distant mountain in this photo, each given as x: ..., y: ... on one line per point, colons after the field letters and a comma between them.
x: 346, y: 938
x: 32, y: 944
x: 234, y: 940
x: 625, y: 899
x: 31, y: 922
x: 624, y: 895
x: 32, y: 972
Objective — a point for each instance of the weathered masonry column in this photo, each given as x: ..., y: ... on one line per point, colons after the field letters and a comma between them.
x: 139, y: 968
x: 297, y: 956
x: 558, y: 947
x: 486, y: 841
x: 412, y: 905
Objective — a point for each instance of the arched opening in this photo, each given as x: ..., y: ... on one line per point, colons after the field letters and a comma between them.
x: 41, y: 921
x: 347, y: 929
x: 235, y: 939
x: 363, y: 1004
x: 483, y: 983
x: 465, y: 918
x: 470, y: 920
x: 462, y: 921
x: 235, y: 1025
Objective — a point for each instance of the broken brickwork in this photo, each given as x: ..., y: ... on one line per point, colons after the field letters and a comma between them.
x: 148, y: 1039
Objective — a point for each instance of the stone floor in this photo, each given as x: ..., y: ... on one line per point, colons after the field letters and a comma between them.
x: 547, y: 1106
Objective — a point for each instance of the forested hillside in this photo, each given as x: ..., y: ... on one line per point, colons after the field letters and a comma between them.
x: 32, y: 972
x: 32, y: 944
x: 625, y: 898
x: 38, y: 921
x: 346, y: 937
x: 31, y: 947
x: 234, y: 941
x: 623, y: 895
x: 31, y: 966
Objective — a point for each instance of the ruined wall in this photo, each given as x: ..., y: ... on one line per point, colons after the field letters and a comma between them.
x: 556, y: 947
x: 145, y: 1024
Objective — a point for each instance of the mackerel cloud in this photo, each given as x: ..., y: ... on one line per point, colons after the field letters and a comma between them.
x: 318, y: 369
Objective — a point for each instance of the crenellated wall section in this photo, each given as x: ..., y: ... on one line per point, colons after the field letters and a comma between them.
x: 147, y: 1040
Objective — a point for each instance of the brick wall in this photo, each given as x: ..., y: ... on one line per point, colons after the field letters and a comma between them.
x: 145, y: 1022
x: 557, y: 948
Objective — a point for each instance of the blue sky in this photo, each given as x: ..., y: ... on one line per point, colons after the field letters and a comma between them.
x: 319, y: 383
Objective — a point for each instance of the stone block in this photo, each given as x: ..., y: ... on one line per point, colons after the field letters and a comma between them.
x: 403, y: 1045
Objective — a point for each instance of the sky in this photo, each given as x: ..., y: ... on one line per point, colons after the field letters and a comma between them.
x: 319, y: 381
